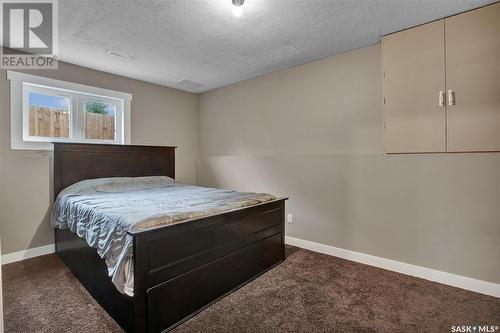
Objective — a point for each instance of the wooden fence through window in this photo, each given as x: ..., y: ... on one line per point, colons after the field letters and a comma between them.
x: 54, y: 123
x: 48, y: 122
x: 99, y: 126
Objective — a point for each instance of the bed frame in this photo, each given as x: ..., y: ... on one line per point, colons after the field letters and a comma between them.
x: 180, y: 269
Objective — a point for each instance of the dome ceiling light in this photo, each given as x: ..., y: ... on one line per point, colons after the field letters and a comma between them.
x: 238, y: 7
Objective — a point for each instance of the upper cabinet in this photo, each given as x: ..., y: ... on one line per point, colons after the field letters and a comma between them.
x: 441, y: 85
x: 473, y: 80
x: 414, y: 85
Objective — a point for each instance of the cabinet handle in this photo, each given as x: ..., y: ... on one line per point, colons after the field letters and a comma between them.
x: 451, y: 98
x: 441, y: 98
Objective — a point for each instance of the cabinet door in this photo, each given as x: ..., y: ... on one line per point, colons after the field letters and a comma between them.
x: 473, y: 73
x: 414, y: 73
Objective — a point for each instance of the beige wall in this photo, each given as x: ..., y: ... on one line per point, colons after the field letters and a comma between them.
x: 160, y: 116
x: 314, y: 133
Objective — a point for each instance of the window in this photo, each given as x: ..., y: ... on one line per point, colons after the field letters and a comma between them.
x: 45, y: 110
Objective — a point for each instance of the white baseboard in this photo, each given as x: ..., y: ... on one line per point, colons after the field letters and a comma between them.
x: 26, y: 254
x: 479, y: 286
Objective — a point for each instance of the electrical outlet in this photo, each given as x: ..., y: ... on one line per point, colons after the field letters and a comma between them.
x: 289, y: 218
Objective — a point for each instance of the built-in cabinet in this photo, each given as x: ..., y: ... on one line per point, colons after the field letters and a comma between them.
x: 441, y: 84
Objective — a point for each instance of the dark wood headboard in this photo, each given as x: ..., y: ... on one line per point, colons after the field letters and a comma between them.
x: 74, y: 162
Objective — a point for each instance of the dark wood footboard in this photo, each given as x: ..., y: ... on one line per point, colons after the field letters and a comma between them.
x: 181, y: 269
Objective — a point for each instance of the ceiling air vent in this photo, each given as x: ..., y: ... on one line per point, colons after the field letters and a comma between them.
x: 121, y: 55
x: 188, y: 84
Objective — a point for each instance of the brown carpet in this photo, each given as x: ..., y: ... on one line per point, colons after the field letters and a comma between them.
x: 309, y: 292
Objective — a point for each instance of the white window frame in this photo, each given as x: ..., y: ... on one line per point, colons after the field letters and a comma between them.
x: 22, y: 83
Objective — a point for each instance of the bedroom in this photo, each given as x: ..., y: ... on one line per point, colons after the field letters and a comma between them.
x: 357, y: 112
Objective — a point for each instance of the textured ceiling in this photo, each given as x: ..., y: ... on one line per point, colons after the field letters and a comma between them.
x: 199, y: 45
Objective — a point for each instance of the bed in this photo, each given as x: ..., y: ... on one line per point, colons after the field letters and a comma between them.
x: 178, y: 268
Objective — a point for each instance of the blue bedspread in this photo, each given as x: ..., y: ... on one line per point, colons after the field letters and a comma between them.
x: 102, y: 211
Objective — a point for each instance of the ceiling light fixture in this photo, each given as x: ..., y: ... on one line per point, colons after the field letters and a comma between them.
x: 238, y: 9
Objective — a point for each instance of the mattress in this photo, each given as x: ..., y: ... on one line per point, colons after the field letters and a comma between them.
x: 102, y: 211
